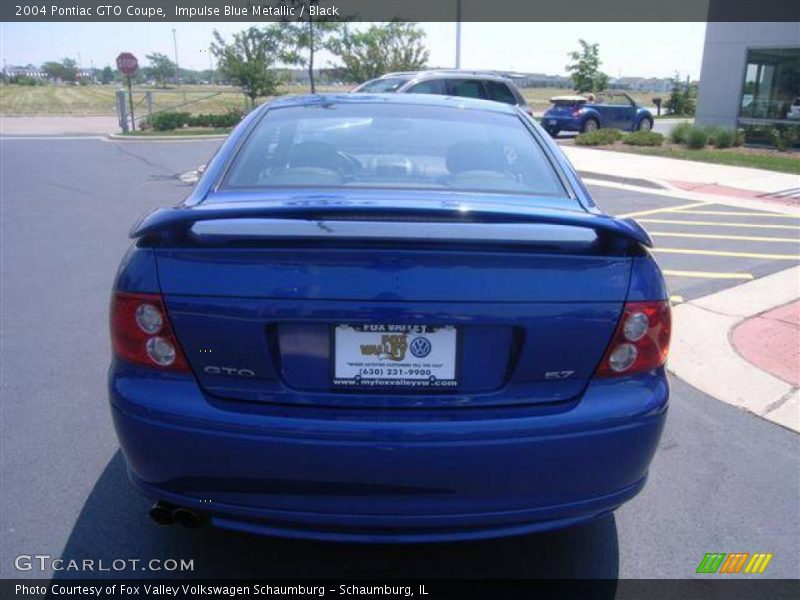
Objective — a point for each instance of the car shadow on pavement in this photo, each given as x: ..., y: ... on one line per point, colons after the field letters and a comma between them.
x: 114, y: 524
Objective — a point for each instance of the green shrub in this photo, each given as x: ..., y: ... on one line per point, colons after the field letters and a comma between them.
x: 724, y: 138
x: 25, y: 80
x: 228, y: 119
x: 601, y: 137
x: 697, y: 138
x: 680, y: 133
x: 783, y: 138
x: 712, y: 131
x: 644, y: 138
x: 167, y: 121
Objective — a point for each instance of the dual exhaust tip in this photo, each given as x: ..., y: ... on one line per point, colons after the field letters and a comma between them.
x: 169, y: 514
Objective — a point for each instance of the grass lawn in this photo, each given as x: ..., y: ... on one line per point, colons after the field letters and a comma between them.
x: 770, y: 160
x: 101, y: 99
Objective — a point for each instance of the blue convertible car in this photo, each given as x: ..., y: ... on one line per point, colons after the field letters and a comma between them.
x: 388, y: 318
x: 609, y: 109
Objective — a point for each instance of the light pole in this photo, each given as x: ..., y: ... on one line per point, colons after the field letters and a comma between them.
x: 458, y: 34
x: 175, y: 45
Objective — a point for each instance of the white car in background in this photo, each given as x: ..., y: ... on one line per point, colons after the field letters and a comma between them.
x: 794, y: 110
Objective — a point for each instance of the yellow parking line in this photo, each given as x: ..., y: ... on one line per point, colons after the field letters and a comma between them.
x: 653, y: 211
x: 707, y: 275
x: 715, y: 224
x: 726, y: 253
x: 711, y: 236
x: 733, y: 213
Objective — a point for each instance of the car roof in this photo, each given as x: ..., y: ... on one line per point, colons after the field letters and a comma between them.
x: 405, y: 99
x: 449, y: 73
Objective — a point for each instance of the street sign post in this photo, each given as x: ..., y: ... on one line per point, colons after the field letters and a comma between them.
x: 128, y: 65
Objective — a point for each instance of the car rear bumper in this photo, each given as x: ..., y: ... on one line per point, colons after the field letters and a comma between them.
x: 560, y: 124
x: 327, y: 475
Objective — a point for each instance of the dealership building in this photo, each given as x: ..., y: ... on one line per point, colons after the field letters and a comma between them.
x: 750, y: 74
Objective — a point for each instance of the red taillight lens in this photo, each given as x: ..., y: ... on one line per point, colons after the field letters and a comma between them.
x: 641, y: 341
x: 141, y: 333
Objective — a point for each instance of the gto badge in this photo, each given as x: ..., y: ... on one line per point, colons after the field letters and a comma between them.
x: 558, y: 374
x: 230, y: 371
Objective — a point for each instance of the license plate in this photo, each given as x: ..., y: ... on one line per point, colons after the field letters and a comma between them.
x: 414, y: 356
x: 552, y: 122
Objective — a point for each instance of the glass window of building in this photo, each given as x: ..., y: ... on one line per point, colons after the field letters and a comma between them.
x: 772, y: 85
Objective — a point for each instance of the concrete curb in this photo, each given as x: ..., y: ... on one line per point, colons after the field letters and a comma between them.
x: 702, y: 353
x: 159, y: 138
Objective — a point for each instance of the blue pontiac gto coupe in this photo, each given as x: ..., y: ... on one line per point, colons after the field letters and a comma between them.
x: 615, y: 110
x: 388, y: 318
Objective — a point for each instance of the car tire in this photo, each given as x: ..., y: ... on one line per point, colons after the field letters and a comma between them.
x: 645, y: 125
x: 590, y: 125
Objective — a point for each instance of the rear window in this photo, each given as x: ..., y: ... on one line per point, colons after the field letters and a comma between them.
x: 432, y: 86
x: 499, y: 92
x: 466, y: 88
x: 387, y: 84
x: 394, y: 146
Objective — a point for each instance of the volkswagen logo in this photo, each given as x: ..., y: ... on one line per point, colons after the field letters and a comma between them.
x: 420, y: 347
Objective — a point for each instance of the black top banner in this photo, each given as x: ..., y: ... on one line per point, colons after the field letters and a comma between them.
x: 406, y: 10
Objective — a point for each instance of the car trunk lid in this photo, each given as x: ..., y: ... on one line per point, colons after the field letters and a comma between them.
x: 299, y: 305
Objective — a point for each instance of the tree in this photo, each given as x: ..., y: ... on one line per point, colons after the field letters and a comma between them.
x: 161, y: 68
x: 682, y: 99
x: 107, y: 75
x: 585, y: 69
x: 393, y: 46
x: 66, y: 70
x: 249, y: 60
x: 312, y: 35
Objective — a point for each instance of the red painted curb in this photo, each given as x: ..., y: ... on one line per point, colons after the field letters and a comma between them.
x: 771, y: 341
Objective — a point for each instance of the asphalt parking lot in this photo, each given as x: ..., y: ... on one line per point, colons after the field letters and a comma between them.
x: 723, y: 480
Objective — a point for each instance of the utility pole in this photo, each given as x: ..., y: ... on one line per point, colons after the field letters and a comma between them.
x: 458, y: 34
x: 175, y: 45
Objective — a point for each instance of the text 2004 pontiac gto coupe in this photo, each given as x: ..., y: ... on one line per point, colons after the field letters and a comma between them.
x: 388, y: 318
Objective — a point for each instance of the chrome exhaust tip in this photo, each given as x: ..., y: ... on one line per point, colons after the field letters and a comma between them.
x: 186, y: 518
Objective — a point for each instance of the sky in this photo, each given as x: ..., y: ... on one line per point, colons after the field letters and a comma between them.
x: 626, y: 49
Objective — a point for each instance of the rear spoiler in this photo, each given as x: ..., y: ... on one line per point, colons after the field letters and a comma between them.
x: 175, y: 222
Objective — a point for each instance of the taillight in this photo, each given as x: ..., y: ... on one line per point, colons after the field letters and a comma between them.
x: 641, y: 341
x: 141, y: 333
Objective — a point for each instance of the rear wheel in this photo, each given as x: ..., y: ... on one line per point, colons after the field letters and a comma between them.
x: 645, y: 125
x: 590, y: 125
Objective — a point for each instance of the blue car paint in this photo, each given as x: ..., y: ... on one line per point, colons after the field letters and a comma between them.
x: 557, y: 119
x: 511, y: 453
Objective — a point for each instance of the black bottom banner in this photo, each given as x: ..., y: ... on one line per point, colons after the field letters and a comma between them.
x: 646, y: 589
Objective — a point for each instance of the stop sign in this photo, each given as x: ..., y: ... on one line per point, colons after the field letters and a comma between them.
x: 127, y: 63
